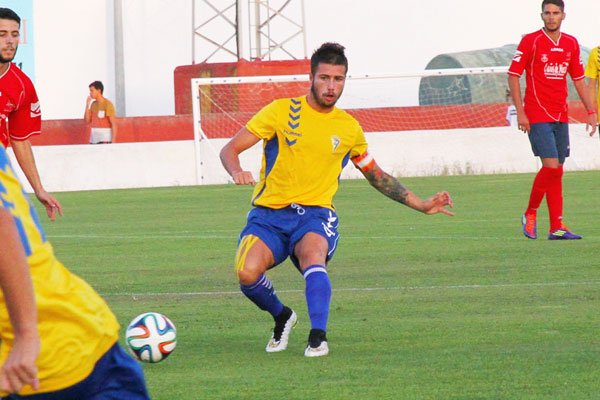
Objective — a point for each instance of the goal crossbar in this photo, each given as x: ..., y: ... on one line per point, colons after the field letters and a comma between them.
x: 305, y: 77
x: 196, y: 84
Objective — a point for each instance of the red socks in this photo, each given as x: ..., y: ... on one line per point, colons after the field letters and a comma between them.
x: 548, y: 181
x: 538, y: 190
x: 554, y: 199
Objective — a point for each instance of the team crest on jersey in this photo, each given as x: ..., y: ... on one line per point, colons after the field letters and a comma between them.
x: 544, y: 58
x: 335, y: 142
x: 6, y: 106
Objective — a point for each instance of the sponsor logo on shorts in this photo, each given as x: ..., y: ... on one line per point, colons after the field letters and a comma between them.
x: 329, y: 228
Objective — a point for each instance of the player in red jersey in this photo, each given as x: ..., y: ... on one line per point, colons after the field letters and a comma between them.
x: 20, y: 115
x: 547, y: 56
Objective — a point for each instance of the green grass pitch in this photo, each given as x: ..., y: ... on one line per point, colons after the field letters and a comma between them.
x: 423, y: 307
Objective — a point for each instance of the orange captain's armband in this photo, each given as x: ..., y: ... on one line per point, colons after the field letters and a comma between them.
x: 364, y: 162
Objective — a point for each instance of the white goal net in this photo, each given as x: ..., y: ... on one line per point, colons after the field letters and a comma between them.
x: 421, y: 101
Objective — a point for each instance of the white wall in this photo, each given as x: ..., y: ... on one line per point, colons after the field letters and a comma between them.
x: 416, y: 153
x: 74, y: 46
x: 157, y: 39
x: 113, y: 166
x: 388, y: 36
x: 74, y: 42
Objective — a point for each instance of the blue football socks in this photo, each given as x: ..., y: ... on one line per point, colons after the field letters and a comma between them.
x: 318, y: 295
x: 263, y: 295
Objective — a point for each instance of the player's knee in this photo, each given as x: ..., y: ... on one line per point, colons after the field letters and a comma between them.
x: 556, y: 173
x: 245, y: 273
x: 250, y: 262
x: 247, y: 276
x: 244, y: 247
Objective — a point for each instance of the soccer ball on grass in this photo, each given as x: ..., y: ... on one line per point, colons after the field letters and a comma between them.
x: 151, y: 337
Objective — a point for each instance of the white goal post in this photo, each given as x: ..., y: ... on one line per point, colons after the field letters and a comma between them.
x: 382, y: 103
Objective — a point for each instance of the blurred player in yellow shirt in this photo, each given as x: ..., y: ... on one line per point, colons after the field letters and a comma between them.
x: 592, y: 70
x: 58, y: 336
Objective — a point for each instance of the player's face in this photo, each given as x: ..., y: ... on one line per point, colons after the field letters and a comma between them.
x: 9, y: 40
x: 327, y: 85
x: 552, y: 17
x: 94, y: 93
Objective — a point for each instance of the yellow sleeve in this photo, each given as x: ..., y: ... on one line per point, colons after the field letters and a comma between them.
x: 593, y: 65
x: 360, y: 145
x: 110, y: 109
x: 264, y: 123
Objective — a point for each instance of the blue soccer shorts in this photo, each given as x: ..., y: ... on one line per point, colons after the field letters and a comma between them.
x: 550, y: 140
x: 116, y: 376
x: 281, y: 229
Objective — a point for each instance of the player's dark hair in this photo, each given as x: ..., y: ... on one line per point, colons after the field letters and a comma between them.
x: 559, y: 3
x: 7, y: 13
x: 98, y: 85
x: 328, y: 53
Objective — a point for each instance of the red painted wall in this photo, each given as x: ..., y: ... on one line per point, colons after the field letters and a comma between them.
x: 218, y: 124
x: 130, y: 129
x: 183, y: 75
x: 180, y: 127
x: 394, y: 119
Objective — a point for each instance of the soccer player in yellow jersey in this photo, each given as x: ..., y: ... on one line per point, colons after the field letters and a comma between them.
x: 58, y: 336
x: 306, y: 141
x: 592, y: 70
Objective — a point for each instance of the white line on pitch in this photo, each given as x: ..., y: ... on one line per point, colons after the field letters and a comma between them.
x: 160, y: 237
x: 392, y: 288
x: 234, y: 237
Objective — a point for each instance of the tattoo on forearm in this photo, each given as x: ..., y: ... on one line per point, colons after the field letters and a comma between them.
x: 387, y: 184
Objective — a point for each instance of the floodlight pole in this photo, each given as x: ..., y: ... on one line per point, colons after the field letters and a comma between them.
x: 272, y: 26
x: 121, y: 107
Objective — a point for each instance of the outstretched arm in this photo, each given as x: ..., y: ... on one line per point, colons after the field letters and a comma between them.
x: 24, y: 156
x: 15, y: 281
x: 392, y: 188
